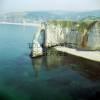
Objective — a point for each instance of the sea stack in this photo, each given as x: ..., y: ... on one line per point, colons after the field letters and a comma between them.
x: 36, y: 49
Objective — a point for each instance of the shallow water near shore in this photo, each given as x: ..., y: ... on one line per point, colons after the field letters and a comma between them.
x: 56, y: 76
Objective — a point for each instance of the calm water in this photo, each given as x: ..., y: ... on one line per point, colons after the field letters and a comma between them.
x: 52, y: 77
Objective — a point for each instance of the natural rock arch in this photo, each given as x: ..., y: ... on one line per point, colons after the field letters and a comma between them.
x: 42, y: 37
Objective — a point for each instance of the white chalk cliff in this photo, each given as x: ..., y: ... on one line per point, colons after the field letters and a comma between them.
x: 89, y: 40
x: 56, y: 34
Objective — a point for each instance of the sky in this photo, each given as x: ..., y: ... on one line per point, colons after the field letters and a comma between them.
x: 39, y: 5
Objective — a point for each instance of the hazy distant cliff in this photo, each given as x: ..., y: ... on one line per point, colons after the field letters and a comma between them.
x: 29, y: 16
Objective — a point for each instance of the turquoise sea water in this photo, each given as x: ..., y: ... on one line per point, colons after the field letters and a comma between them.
x: 53, y: 77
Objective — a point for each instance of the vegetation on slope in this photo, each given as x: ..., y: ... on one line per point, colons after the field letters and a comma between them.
x: 62, y: 23
x: 80, y: 26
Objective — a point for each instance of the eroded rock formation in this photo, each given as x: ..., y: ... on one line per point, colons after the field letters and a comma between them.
x: 78, y: 35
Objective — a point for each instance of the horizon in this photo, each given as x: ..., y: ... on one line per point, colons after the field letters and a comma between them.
x: 50, y: 11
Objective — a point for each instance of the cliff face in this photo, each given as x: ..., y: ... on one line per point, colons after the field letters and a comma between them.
x: 71, y: 34
x: 87, y: 39
x: 94, y: 37
x: 55, y: 35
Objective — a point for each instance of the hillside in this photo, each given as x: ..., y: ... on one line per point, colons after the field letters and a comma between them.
x: 48, y: 15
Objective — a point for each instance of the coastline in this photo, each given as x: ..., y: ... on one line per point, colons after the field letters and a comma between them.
x: 90, y: 55
x: 23, y: 24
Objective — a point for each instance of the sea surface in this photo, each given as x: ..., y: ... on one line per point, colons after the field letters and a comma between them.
x: 57, y: 76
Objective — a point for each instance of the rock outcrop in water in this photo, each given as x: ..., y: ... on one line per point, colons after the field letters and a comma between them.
x: 78, y: 35
x: 38, y: 42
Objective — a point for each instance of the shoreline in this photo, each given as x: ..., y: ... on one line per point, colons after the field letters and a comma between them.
x: 90, y: 55
x: 22, y: 24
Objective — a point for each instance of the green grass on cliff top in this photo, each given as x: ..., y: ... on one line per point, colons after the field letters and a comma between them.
x: 80, y: 26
